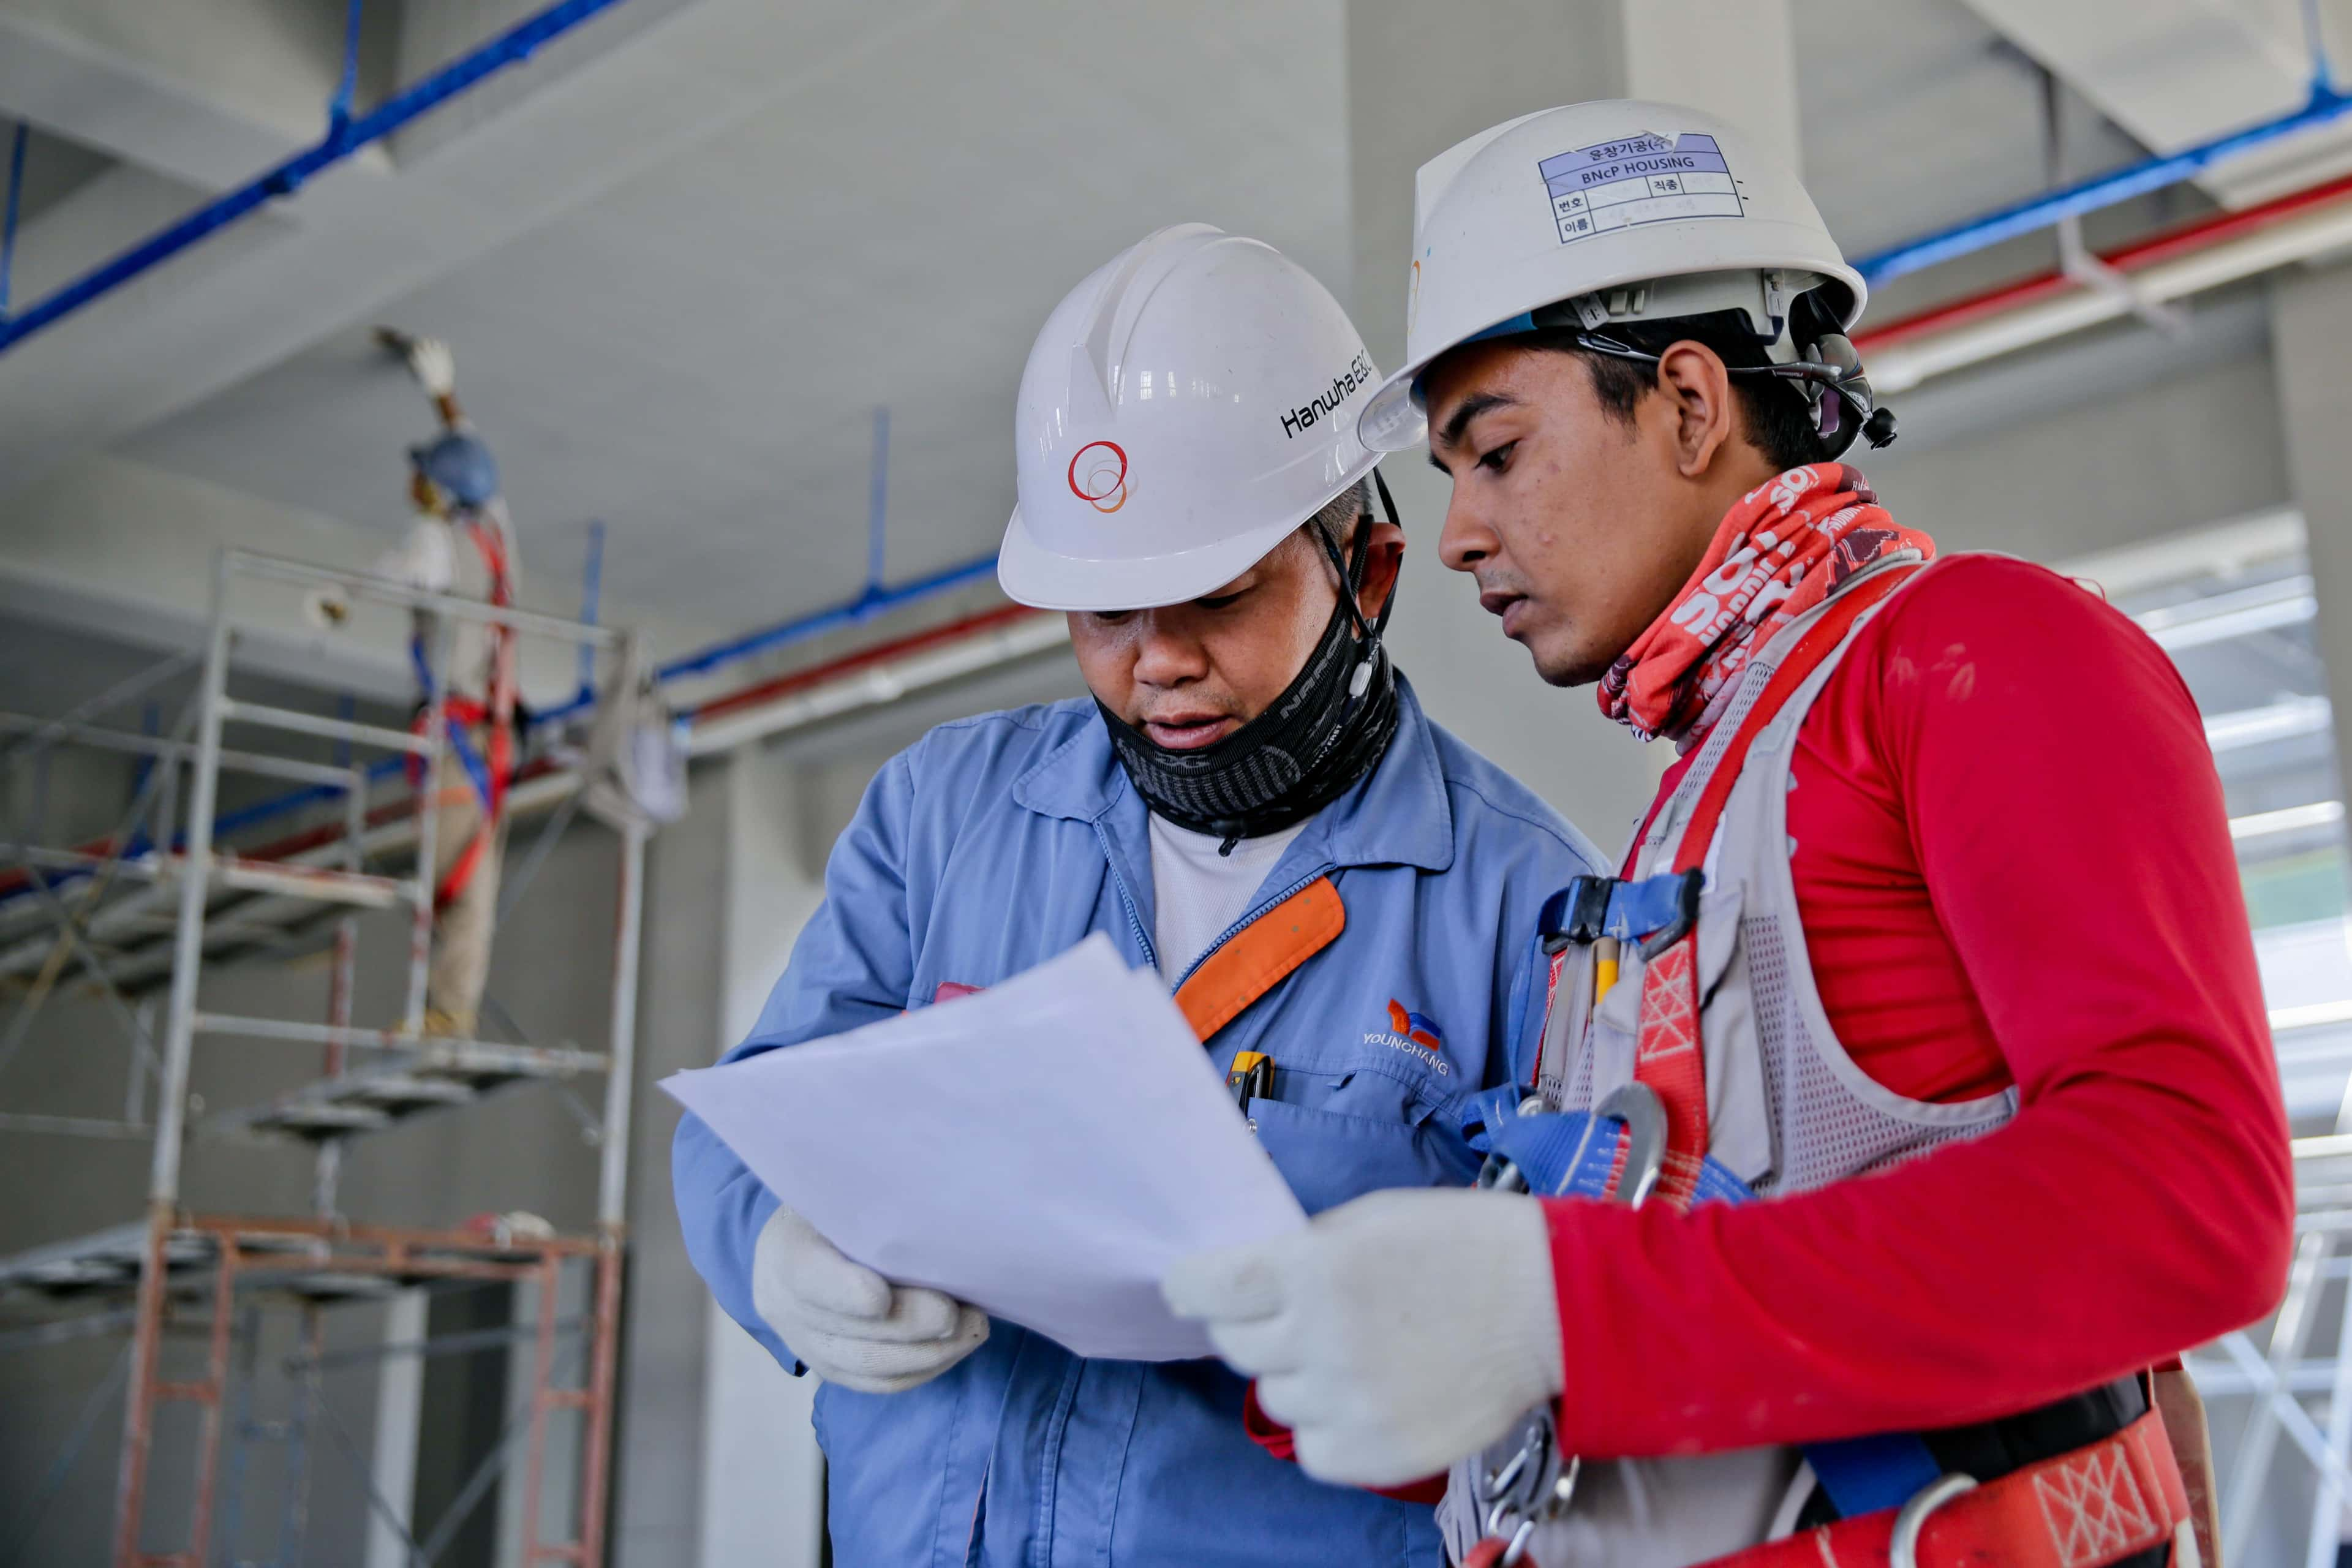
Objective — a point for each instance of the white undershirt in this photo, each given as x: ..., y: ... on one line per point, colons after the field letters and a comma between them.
x: 1196, y: 893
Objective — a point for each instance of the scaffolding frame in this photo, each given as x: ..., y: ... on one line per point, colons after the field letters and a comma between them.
x: 2279, y: 1375
x: 174, y: 1260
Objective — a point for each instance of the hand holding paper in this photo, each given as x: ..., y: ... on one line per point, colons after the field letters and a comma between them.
x: 1043, y: 1151
x: 848, y: 1323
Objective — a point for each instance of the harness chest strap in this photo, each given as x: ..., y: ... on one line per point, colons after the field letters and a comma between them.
x: 491, y: 776
x: 1668, y: 1055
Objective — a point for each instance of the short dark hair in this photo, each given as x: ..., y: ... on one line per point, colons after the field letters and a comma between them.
x: 1337, y: 517
x: 1778, y: 422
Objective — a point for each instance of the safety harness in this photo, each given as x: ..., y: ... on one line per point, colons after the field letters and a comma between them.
x: 461, y: 714
x: 2092, y: 1506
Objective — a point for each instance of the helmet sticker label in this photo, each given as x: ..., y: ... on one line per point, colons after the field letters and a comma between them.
x: 1641, y: 179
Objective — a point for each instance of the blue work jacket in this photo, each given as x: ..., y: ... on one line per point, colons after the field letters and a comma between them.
x: 994, y: 844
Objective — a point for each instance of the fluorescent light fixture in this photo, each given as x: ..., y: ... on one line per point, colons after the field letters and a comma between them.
x: 2240, y: 612
x: 2287, y: 819
x: 2311, y: 1015
x: 2280, y: 720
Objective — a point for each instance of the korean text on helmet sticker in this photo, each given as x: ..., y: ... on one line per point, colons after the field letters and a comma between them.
x: 1641, y: 179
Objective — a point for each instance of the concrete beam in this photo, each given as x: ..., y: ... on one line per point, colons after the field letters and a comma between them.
x: 356, y: 239
x: 117, y: 545
x: 2177, y: 72
x: 208, y: 95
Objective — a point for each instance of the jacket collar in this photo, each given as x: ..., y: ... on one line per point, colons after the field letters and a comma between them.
x: 1397, y: 815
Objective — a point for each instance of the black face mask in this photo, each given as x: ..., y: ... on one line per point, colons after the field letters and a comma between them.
x: 1329, y: 727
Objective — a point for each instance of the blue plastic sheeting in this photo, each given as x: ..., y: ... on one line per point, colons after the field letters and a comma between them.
x: 343, y: 138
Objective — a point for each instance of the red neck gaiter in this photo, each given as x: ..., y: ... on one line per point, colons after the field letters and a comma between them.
x: 1783, y: 549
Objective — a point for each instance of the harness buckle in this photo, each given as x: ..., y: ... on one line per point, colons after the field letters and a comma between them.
x: 1903, y: 1548
x: 1578, y: 915
x: 1686, y: 920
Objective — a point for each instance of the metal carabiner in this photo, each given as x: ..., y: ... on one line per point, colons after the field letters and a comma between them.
x: 1501, y: 1174
x: 1902, y: 1547
x: 1536, y: 1482
x: 1636, y: 1106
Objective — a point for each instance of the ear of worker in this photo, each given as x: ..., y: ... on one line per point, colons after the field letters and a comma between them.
x: 848, y: 1325
x: 1399, y: 1332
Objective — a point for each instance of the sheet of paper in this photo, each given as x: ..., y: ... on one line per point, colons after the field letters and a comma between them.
x: 1044, y: 1150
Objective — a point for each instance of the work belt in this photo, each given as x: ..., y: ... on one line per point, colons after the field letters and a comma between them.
x: 2088, y: 1508
x: 2084, y: 1483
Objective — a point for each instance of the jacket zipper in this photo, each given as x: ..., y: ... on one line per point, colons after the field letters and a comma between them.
x: 1127, y: 899
x: 1249, y: 919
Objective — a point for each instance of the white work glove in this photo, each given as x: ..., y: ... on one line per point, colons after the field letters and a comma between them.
x: 436, y: 369
x: 1396, y: 1334
x: 850, y: 1325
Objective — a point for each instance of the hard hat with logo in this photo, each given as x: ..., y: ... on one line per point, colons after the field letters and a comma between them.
x: 1613, y: 214
x: 1185, y: 408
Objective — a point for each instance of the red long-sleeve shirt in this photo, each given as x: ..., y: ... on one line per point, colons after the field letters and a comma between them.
x: 2012, y: 865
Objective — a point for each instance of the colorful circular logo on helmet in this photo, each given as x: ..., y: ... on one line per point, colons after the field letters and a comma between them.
x: 1098, y: 475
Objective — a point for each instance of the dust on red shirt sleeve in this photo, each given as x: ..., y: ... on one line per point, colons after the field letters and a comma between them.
x: 2052, y: 775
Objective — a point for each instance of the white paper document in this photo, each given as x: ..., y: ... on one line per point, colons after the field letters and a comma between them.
x: 1043, y: 1150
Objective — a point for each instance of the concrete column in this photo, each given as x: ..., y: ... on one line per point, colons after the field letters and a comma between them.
x: 2310, y: 337
x: 399, y: 1401
x: 1420, y: 77
x: 762, y: 1497
x: 1732, y: 58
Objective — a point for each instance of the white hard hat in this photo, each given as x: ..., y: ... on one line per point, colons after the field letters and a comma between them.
x: 1630, y: 210
x: 1184, y: 409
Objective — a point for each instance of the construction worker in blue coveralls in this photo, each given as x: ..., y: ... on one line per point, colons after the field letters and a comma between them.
x: 1342, y: 896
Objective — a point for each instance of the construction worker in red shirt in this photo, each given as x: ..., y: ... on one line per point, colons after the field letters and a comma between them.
x: 1939, y: 893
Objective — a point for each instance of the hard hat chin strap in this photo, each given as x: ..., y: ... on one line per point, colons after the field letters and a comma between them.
x: 1351, y: 586
x: 1329, y: 727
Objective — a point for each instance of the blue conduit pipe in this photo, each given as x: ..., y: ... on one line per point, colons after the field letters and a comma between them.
x: 8, y: 216
x: 591, y: 594
x: 344, y: 137
x: 2325, y: 107
x: 877, y: 499
x: 338, y: 108
x: 874, y: 601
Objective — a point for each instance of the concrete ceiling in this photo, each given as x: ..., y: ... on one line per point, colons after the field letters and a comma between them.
x: 695, y: 356
x: 679, y: 316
